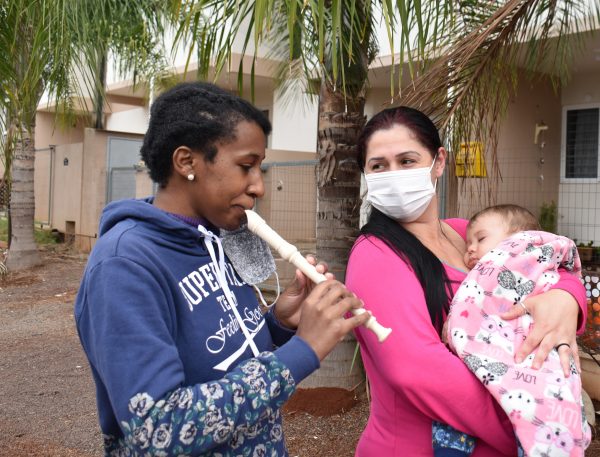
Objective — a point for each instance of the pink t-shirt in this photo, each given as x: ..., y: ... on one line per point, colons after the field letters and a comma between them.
x: 413, y: 377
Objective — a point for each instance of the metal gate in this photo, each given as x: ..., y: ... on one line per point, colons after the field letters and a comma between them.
x: 122, y: 155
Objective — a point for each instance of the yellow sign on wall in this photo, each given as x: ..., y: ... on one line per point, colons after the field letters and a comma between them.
x: 470, y: 162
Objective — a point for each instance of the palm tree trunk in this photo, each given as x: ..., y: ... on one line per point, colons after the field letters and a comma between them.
x: 99, y: 101
x: 23, y: 251
x: 338, y: 177
x: 338, y: 207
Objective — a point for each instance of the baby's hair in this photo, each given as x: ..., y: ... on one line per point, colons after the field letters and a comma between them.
x: 198, y: 115
x: 517, y: 218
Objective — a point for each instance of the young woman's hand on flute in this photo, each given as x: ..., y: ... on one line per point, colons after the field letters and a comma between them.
x: 289, y: 303
x: 317, y: 311
x: 322, y: 323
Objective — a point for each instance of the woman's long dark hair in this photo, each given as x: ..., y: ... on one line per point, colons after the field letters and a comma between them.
x: 427, y: 267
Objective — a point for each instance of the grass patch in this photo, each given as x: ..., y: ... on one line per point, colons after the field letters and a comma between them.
x: 42, y: 236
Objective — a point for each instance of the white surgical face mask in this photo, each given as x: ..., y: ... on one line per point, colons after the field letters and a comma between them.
x: 402, y: 195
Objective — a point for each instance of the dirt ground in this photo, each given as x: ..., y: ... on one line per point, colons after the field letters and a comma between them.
x: 47, y: 403
x: 47, y: 398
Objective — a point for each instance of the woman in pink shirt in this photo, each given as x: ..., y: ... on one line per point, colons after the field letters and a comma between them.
x: 406, y: 266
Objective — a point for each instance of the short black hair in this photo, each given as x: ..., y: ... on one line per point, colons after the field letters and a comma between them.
x: 197, y: 115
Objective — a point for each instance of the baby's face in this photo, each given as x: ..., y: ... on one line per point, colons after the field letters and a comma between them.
x: 483, y: 235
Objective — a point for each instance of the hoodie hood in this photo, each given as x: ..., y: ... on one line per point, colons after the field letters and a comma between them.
x: 143, y: 213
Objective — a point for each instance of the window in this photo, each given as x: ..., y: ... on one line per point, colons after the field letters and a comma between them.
x: 581, y: 143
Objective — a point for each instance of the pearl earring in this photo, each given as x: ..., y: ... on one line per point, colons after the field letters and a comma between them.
x: 190, y: 177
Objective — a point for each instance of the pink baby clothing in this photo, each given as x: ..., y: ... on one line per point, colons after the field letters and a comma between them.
x: 543, y: 405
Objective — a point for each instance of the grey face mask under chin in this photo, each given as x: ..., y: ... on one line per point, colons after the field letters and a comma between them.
x: 249, y: 254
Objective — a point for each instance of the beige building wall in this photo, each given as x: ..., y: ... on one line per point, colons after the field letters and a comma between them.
x: 42, y: 182
x: 66, y: 195
x: 49, y: 130
x: 294, y: 124
x: 70, y: 186
x: 93, y: 187
x: 57, y: 186
x: 280, y: 155
x: 582, y: 88
x: 529, y: 171
x: 263, y: 100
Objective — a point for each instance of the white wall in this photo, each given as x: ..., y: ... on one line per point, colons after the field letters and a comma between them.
x: 295, y: 124
x: 132, y: 121
x: 81, y: 74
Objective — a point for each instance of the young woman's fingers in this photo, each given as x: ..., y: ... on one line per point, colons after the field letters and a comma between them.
x: 321, y: 266
x: 341, y: 302
x: 322, y: 322
x: 354, y: 321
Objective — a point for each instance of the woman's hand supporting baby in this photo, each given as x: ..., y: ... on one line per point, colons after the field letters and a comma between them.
x: 552, y: 326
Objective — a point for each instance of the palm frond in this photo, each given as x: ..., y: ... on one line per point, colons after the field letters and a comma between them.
x: 334, y: 40
x: 53, y: 48
x: 466, y: 89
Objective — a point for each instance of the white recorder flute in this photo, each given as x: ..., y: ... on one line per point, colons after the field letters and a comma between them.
x: 287, y: 251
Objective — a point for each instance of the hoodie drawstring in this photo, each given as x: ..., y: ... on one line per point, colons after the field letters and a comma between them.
x: 209, y: 238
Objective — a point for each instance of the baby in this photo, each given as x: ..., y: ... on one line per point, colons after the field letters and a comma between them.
x: 511, y: 259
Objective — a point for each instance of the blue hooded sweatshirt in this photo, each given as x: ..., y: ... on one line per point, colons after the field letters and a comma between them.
x: 174, y: 368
